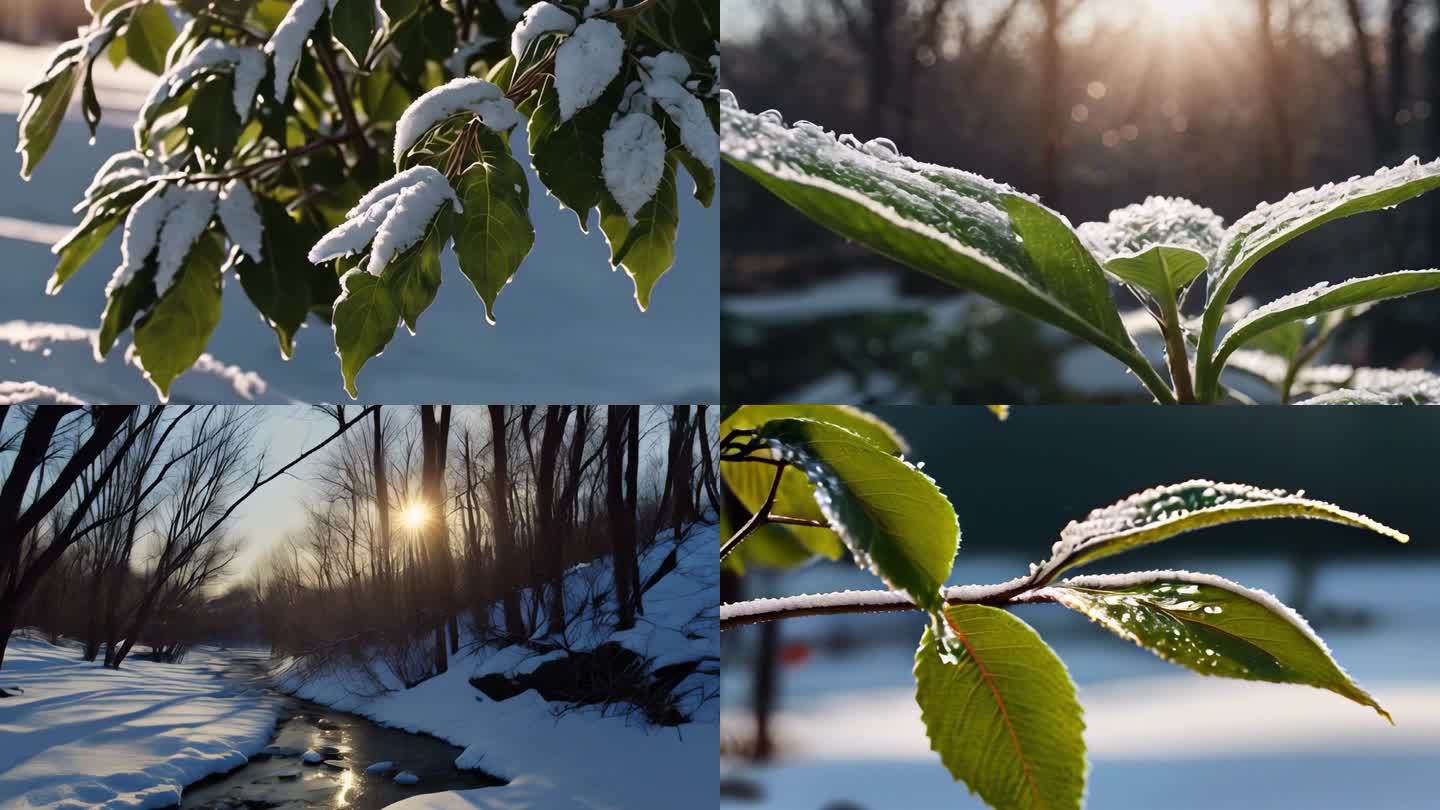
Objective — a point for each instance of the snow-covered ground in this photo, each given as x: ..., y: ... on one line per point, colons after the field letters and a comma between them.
x: 1157, y: 736
x: 558, y: 757
x: 82, y: 736
x: 568, y: 328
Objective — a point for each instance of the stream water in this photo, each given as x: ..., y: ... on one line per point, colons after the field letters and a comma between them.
x: 278, y: 778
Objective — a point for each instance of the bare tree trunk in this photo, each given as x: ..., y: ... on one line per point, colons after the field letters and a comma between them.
x: 504, y: 532
x: 382, y: 502
x: 551, y: 539
x: 622, y: 535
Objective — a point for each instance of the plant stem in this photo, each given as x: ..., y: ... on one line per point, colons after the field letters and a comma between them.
x: 756, y: 611
x: 1175, y: 354
x: 760, y: 518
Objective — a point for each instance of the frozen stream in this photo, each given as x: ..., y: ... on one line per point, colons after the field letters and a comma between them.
x: 277, y: 777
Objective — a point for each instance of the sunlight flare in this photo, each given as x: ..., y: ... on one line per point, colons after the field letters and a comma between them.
x: 415, y: 515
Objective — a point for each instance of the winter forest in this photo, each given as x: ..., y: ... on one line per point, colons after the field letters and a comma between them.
x: 489, y: 568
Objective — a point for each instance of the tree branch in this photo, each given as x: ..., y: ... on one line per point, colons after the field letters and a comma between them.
x: 757, y: 611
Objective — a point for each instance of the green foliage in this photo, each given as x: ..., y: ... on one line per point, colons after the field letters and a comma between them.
x: 997, y: 703
x: 301, y: 103
x: 1211, y: 626
x: 985, y: 237
x: 1003, y: 714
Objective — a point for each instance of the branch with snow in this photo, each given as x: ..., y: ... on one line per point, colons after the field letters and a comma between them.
x: 459, y: 95
x: 391, y: 218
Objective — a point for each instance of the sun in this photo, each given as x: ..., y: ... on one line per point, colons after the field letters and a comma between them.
x: 415, y: 515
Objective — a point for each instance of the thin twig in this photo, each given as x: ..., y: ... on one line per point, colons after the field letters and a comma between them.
x: 756, y: 520
x: 757, y: 611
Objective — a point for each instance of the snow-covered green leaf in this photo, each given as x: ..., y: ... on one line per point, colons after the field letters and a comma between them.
x: 1212, y: 626
x: 1163, y: 512
x: 946, y: 223
x: 645, y: 249
x: 893, y: 518
x: 272, y: 282
x: 567, y: 153
x: 1003, y: 715
x: 364, y: 319
x: 172, y: 335
x: 413, y: 278
x: 1271, y: 225
x: 149, y: 36
x: 1321, y: 298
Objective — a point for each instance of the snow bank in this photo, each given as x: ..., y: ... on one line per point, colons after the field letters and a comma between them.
x: 85, y: 736
x: 578, y: 757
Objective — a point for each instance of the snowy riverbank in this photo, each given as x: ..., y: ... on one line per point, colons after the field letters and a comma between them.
x: 555, y: 756
x: 81, y: 735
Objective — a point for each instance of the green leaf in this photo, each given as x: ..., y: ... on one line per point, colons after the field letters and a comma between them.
x: 41, y: 116
x: 1162, y: 270
x: 1212, y: 626
x: 646, y: 249
x: 413, y: 278
x: 949, y: 224
x: 79, y: 245
x: 1163, y: 512
x: 1003, y: 716
x: 364, y: 320
x: 279, y: 293
x: 703, y: 175
x: 893, y: 518
x: 495, y: 234
x: 567, y: 154
x: 210, y: 119
x: 122, y: 304
x: 1261, y: 231
x: 876, y: 430
x: 1321, y: 298
x: 353, y: 24
x: 1066, y: 267
x: 172, y: 336
x: 149, y: 37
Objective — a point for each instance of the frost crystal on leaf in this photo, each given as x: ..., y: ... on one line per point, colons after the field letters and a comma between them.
x: 1383, y: 386
x: 248, y: 66
x: 540, y: 19
x: 190, y: 213
x: 585, y: 64
x: 466, y: 93
x: 395, y: 214
x: 633, y: 161
x: 289, y: 38
x: 240, y: 219
x: 667, y: 72
x: 1172, y: 221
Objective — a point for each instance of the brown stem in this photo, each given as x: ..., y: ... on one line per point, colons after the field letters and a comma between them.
x: 760, y: 518
x: 1175, y: 353
x: 757, y: 611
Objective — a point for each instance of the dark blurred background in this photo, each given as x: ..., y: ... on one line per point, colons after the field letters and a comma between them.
x: 819, y: 710
x: 1092, y: 104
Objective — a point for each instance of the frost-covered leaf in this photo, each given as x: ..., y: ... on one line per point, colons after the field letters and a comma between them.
x: 364, y: 319
x: 586, y: 63
x: 539, y: 19
x: 893, y: 518
x: 1375, y: 386
x: 1167, y: 221
x: 665, y: 85
x: 465, y: 94
x: 567, y: 154
x: 1163, y: 512
x: 1321, y: 298
x: 240, y: 218
x: 149, y: 37
x: 1271, y: 225
x: 413, y: 278
x: 245, y: 65
x: 172, y: 335
x: 633, y: 161
x: 390, y: 218
x: 271, y: 273
x: 1003, y: 716
x: 645, y: 248
x: 1212, y: 626
x: 495, y: 234
x: 1163, y: 270
x: 288, y: 42
x: 944, y: 222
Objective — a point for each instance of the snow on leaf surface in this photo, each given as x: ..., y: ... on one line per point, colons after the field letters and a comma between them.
x: 240, y: 219
x: 1212, y: 626
x: 458, y: 95
x: 585, y: 63
x: 247, y: 64
x: 1380, y: 386
x: 1160, y: 513
x: 633, y: 161
x: 408, y: 220
x: 540, y: 19
x: 354, y: 234
x: 286, y: 44
x: 1156, y: 221
x: 141, y: 234
x: 394, y: 214
x: 665, y: 86
x: 190, y: 214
